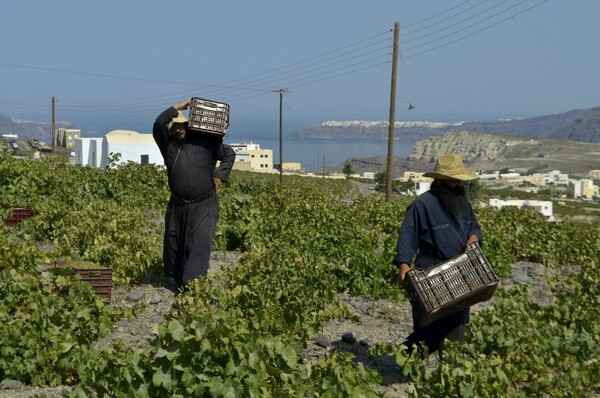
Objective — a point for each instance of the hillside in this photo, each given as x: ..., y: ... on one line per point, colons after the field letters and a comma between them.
x: 30, y: 130
x: 581, y: 125
x: 486, y: 151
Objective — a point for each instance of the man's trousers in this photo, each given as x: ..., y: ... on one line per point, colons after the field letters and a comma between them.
x: 189, y: 231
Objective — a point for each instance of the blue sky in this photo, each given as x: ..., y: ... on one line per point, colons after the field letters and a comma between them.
x: 117, y: 64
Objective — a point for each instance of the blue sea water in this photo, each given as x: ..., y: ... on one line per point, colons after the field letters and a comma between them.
x: 313, y: 153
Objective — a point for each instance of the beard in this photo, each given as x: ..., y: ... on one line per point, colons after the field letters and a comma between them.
x: 180, y: 138
x: 454, y: 199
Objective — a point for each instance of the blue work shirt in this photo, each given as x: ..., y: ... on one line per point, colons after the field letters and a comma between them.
x: 431, y: 233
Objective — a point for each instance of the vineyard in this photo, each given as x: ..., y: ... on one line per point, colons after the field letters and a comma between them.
x: 239, y: 333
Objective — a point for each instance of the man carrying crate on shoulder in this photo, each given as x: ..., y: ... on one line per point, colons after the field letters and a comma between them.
x: 438, y: 225
x: 193, y: 210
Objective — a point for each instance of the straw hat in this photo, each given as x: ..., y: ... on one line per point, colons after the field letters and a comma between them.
x: 450, y: 167
x: 180, y: 118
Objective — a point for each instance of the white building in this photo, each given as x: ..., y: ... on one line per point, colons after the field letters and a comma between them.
x: 555, y: 177
x: 369, y: 175
x: 422, y: 187
x: 585, y: 189
x: 489, y: 176
x: 541, y: 206
x: 414, y: 176
x: 88, y: 151
x: 66, y: 137
x: 249, y: 157
x: 131, y: 145
x: 511, y: 178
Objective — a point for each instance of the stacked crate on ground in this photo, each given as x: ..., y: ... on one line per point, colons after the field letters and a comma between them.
x: 19, y: 214
x: 99, y: 278
x: 451, y: 286
x: 208, y: 117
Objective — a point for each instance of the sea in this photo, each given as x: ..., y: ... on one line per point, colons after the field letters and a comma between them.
x: 311, y: 153
x: 314, y: 153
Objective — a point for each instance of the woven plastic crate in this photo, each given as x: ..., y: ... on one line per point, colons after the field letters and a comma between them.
x: 208, y: 117
x: 451, y: 286
x: 19, y: 214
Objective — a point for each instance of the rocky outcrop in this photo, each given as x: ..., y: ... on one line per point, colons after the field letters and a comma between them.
x: 469, y: 144
x: 487, y: 151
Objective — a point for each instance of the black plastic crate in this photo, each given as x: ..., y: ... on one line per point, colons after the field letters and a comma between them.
x: 98, y: 277
x: 208, y: 117
x: 19, y: 214
x: 451, y: 286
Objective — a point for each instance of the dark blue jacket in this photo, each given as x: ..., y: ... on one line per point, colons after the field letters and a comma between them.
x: 432, y: 233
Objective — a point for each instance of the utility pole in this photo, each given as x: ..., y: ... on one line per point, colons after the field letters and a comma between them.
x: 390, y: 154
x: 323, y: 164
x: 53, y: 124
x: 281, y: 91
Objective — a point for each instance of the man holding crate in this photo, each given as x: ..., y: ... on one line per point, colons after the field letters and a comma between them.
x: 193, y: 209
x: 438, y: 225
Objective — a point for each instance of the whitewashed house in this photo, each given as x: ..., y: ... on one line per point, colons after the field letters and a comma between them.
x: 369, y: 175
x: 422, y: 187
x: 249, y: 157
x: 131, y: 145
x: 555, y: 177
x: 88, y: 151
x: 585, y: 189
x: 541, y: 206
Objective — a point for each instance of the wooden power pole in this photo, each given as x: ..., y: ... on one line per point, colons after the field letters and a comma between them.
x: 53, y: 123
x: 281, y: 91
x: 390, y: 154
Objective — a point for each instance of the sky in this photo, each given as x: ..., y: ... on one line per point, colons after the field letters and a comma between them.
x: 117, y: 64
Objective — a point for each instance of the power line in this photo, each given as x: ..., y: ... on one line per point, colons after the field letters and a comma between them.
x: 467, y: 27
x: 443, y: 20
x: 438, y: 14
x: 463, y: 20
x: 303, y: 70
x: 326, y: 66
x: 314, y: 57
x: 477, y: 31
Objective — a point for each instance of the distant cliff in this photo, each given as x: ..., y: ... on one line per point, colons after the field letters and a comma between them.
x: 27, y: 129
x: 582, y: 125
x: 359, y: 129
x: 487, y: 151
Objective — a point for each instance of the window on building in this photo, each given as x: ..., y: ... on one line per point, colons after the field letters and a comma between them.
x: 145, y: 159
